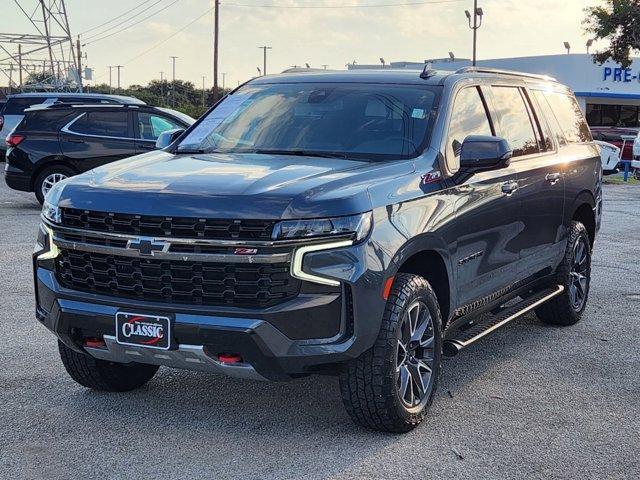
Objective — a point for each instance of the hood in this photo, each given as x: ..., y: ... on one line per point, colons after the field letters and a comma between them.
x: 229, y: 186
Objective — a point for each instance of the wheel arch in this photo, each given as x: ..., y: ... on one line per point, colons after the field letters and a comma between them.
x: 583, y: 211
x: 49, y: 162
x: 428, y: 257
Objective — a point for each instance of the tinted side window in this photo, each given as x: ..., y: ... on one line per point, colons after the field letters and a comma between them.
x: 545, y: 108
x: 17, y: 106
x: 515, y: 120
x: 468, y: 117
x: 569, y: 116
x: 45, y: 121
x: 151, y: 126
x: 108, y: 124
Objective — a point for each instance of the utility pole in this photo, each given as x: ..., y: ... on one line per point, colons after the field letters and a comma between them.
x: 20, y: 65
x: 79, y: 54
x: 203, y: 90
x: 264, y: 60
x: 173, y: 83
x: 119, y: 67
x: 474, y: 25
x: 216, y: 23
x: 110, y: 83
x: 162, y: 87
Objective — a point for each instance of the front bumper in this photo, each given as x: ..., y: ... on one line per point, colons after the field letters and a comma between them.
x: 271, y: 341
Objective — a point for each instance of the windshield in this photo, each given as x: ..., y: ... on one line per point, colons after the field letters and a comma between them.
x: 369, y: 121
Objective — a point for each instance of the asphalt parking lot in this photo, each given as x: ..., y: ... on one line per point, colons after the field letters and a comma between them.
x: 531, y: 401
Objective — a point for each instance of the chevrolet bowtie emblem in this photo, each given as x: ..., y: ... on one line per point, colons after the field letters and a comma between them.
x: 147, y: 246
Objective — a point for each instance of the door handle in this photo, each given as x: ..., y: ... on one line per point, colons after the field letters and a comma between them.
x: 552, y: 178
x: 75, y: 140
x: 146, y: 146
x: 509, y: 187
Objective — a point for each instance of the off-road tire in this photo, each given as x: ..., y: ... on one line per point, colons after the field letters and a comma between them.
x: 559, y: 310
x: 106, y: 376
x: 368, y: 383
x: 37, y: 184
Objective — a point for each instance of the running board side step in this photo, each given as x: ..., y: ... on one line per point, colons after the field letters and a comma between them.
x: 453, y: 346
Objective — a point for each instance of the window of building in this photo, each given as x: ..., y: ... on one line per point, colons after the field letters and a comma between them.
x: 468, y: 117
x: 516, y: 125
x: 603, y: 115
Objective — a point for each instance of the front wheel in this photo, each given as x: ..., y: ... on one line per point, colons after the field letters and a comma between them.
x: 390, y: 387
x: 102, y: 375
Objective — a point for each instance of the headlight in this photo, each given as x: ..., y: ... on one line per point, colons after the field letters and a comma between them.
x: 45, y: 241
x: 50, y: 209
x: 51, y: 212
x: 358, y: 226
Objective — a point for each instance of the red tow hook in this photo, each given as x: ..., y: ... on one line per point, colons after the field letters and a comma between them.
x: 93, y: 342
x: 229, y: 358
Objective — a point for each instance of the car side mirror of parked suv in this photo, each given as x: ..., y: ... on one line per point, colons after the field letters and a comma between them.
x: 168, y: 137
x: 480, y: 153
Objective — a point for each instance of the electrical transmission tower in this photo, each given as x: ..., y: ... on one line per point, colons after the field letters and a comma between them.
x: 46, y: 56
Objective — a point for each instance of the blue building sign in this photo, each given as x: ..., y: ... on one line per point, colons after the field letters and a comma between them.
x: 617, y: 74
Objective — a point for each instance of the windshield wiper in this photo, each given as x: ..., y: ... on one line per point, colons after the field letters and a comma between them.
x: 191, y: 150
x: 300, y: 153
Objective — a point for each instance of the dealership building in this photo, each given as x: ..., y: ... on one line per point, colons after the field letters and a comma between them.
x: 608, y: 94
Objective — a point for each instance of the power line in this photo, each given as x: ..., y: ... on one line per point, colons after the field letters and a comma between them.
x: 406, y: 4
x: 133, y: 24
x: 169, y: 37
x: 115, y: 18
x: 141, y: 12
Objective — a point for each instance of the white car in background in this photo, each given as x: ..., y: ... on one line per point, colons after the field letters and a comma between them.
x: 610, y: 155
x: 635, y: 163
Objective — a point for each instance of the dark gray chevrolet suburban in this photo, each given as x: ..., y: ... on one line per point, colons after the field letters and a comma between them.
x: 360, y: 224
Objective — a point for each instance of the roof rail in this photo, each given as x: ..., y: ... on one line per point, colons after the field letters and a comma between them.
x: 504, y: 72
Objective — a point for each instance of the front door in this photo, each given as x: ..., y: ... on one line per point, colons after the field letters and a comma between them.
x: 147, y: 128
x: 487, y: 208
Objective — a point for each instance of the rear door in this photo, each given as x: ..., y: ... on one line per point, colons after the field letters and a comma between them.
x: 148, y: 126
x: 98, y: 136
x: 540, y: 179
x: 486, y: 207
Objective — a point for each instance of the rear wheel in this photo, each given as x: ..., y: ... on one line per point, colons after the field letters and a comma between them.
x: 390, y: 386
x: 574, y: 273
x: 101, y: 375
x: 48, y: 178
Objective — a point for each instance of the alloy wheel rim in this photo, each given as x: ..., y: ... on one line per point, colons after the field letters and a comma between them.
x: 50, y: 180
x: 579, y: 280
x: 415, y: 355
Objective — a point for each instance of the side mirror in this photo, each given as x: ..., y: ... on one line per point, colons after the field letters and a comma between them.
x: 480, y: 153
x: 167, y: 137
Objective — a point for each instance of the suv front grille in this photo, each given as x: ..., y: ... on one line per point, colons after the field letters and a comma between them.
x: 199, y: 283
x: 177, y: 227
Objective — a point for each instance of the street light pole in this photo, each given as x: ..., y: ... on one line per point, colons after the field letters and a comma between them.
x: 264, y: 61
x: 110, y: 84
x: 162, y: 87
x: 203, y: 90
x: 474, y: 25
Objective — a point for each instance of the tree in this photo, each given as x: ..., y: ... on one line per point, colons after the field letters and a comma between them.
x: 618, y: 22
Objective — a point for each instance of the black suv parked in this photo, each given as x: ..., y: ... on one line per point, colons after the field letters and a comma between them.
x: 354, y: 223
x: 12, y: 111
x: 53, y: 142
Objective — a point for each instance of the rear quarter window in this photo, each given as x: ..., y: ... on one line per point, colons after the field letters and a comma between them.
x: 17, y: 106
x: 569, y: 117
x: 45, y: 121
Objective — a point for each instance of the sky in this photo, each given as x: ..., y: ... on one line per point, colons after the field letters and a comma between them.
x: 318, y: 32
